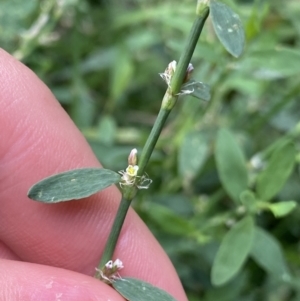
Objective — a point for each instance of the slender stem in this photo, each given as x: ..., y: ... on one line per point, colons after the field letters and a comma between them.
x: 152, y: 139
x: 175, y: 86
x: 188, y: 51
x: 114, y: 234
x: 168, y: 103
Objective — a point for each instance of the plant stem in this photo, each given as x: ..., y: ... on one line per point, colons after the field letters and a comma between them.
x: 171, y: 96
x: 114, y: 234
x: 168, y: 103
x: 188, y: 51
x: 152, y: 139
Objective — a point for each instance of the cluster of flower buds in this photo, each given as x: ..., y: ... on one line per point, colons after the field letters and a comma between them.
x: 110, y: 271
x: 170, y: 70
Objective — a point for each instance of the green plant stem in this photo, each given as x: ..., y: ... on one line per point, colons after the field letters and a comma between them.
x: 171, y: 96
x: 152, y: 139
x: 114, y: 234
x: 168, y: 103
x: 188, y: 51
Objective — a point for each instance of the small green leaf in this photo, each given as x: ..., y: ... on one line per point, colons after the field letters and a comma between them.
x: 169, y: 221
x: 197, y: 89
x: 228, y: 27
x: 72, y: 185
x: 231, y: 164
x: 122, y: 73
x: 136, y: 290
x: 192, y: 154
x: 267, y: 253
x: 233, y: 251
x: 107, y: 130
x: 248, y: 199
x: 282, y: 208
x: 278, y: 169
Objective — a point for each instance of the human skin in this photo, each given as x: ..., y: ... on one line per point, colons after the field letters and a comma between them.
x: 49, y: 252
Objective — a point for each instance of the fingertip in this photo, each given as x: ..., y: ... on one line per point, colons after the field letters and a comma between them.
x: 32, y: 282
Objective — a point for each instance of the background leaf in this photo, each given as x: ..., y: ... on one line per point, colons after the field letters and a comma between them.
x: 231, y: 164
x: 170, y: 221
x: 192, y: 154
x: 137, y: 290
x: 228, y: 27
x: 270, y: 64
x: 107, y: 130
x: 233, y: 251
x: 267, y: 253
x: 72, y: 185
x: 273, y: 177
x: 281, y: 209
x: 248, y: 199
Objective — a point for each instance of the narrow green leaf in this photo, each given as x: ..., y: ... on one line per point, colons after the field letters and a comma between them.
x: 278, y: 169
x: 136, y: 290
x: 122, y: 72
x: 231, y: 164
x: 228, y: 27
x: 267, y: 253
x: 107, y: 130
x: 72, y: 185
x: 192, y: 154
x: 233, y: 251
x: 282, y: 208
x: 169, y: 221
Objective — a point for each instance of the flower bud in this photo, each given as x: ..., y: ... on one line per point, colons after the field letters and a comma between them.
x: 171, y: 68
x: 188, y: 73
x: 132, y: 159
x: 118, y: 264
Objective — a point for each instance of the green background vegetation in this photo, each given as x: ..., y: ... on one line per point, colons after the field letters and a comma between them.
x: 215, y: 162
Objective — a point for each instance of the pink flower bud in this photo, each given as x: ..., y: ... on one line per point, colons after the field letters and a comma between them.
x: 132, y: 159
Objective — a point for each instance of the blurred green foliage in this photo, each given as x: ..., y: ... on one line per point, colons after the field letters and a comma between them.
x: 216, y: 162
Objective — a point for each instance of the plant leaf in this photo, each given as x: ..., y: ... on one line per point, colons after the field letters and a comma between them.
x: 274, y: 176
x: 122, y: 73
x: 136, y: 290
x: 72, y: 185
x: 267, y: 253
x: 107, y: 130
x: 228, y: 27
x: 248, y: 199
x: 192, y: 154
x: 233, y: 251
x: 271, y: 64
x: 169, y: 221
x: 281, y: 209
x: 197, y: 89
x: 231, y: 164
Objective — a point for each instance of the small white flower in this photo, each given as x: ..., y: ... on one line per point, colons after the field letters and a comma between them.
x: 130, y: 177
x: 110, y: 271
x: 109, y: 265
x: 169, y: 72
x: 132, y: 170
x: 118, y: 264
x: 144, y: 182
